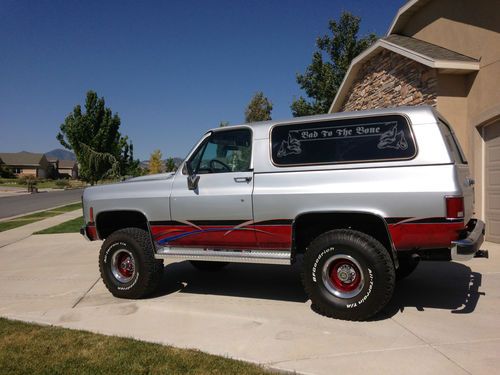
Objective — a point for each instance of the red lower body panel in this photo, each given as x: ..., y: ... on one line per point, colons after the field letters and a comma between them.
x: 407, y: 236
x: 252, y: 236
x: 277, y: 234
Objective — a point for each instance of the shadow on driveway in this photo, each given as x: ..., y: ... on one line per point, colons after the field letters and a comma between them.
x: 281, y: 283
x: 434, y: 285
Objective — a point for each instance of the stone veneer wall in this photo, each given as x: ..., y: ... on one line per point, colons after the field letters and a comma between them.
x: 389, y: 79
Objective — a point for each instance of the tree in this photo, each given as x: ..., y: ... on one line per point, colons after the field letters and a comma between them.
x: 128, y: 165
x: 155, y: 162
x: 259, y: 108
x: 223, y: 124
x: 94, y: 137
x: 322, y: 79
x: 170, y: 165
x: 6, y: 172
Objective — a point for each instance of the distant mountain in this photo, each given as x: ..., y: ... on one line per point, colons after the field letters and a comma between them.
x: 60, y: 154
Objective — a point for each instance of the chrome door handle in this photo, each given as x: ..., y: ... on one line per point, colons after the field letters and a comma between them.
x: 243, y: 179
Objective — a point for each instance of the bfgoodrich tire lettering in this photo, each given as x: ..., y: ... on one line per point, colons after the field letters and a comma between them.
x: 348, y: 275
x: 140, y: 273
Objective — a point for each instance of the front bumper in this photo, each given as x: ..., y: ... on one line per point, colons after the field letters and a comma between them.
x: 89, y: 232
x: 466, y: 248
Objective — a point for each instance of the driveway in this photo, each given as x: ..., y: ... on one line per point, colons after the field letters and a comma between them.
x: 25, y: 203
x: 445, y: 318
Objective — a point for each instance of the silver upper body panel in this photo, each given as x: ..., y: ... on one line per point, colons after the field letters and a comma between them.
x: 405, y: 188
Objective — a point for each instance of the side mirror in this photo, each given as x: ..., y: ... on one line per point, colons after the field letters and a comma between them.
x: 193, y: 181
x: 192, y: 178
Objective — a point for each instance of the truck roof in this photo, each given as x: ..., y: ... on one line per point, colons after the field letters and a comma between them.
x: 418, y: 114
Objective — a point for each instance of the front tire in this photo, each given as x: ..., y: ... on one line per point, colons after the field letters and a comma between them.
x: 127, y: 264
x: 348, y: 275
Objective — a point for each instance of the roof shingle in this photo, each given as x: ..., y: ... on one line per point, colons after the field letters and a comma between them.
x: 427, y: 49
x: 21, y: 158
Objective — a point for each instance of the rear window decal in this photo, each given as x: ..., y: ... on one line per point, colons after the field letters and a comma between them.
x: 336, y: 141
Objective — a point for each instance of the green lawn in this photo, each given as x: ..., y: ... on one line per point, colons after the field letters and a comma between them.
x: 31, y: 218
x: 70, y: 226
x: 33, y: 349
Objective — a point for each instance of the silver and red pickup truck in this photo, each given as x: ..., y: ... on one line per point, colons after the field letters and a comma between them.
x: 359, y: 198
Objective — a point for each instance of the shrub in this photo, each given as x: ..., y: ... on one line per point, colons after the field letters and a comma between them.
x: 62, y: 183
x: 6, y: 172
x: 27, y: 180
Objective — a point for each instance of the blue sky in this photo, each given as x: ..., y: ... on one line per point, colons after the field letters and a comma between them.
x: 171, y: 69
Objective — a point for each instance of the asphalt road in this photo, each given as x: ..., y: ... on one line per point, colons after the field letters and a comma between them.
x: 18, y: 205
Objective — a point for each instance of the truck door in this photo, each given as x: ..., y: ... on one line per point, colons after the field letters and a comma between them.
x: 214, y: 209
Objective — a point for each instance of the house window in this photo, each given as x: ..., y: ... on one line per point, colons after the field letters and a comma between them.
x: 17, y: 170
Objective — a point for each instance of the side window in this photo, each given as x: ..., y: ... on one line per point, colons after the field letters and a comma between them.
x: 452, y: 143
x: 379, y: 138
x: 225, y: 151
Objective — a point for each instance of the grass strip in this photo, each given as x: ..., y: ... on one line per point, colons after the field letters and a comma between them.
x: 70, y: 226
x: 32, y: 218
x: 34, y: 349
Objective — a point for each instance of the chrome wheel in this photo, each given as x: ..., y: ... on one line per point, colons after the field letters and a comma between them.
x: 342, y: 276
x: 123, y: 266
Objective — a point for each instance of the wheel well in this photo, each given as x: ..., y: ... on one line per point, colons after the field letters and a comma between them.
x: 110, y: 221
x: 307, y: 227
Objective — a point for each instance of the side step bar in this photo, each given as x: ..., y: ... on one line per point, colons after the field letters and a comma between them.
x: 223, y: 255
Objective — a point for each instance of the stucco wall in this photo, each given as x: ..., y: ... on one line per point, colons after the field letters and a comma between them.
x: 471, y: 28
x: 452, y: 104
x: 29, y: 172
x: 389, y: 79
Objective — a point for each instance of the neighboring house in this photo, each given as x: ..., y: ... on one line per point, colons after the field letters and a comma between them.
x: 53, y: 167
x: 26, y: 164
x: 68, y: 168
x: 53, y: 162
x: 445, y: 53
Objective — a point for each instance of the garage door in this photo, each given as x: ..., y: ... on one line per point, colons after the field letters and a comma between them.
x: 492, y: 186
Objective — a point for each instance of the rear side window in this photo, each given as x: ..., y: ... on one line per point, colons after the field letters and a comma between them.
x: 343, y: 141
x: 452, y: 144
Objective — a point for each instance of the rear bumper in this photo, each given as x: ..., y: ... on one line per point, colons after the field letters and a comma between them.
x: 466, y: 248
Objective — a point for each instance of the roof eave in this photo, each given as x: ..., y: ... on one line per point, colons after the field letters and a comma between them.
x: 404, y: 13
x: 460, y: 67
x: 348, y: 78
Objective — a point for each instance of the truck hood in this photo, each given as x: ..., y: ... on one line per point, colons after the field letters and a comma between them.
x: 152, y: 177
x: 127, y: 188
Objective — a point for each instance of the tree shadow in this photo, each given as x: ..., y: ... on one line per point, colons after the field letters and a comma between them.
x: 433, y: 285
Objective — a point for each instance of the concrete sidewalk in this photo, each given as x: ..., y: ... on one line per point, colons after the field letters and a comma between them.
x: 7, y: 191
x: 445, y: 318
x: 17, y: 234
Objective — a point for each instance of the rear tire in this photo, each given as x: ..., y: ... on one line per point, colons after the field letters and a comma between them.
x: 348, y: 275
x: 205, y: 266
x: 127, y: 264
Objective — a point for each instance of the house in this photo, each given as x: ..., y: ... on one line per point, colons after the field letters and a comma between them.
x: 68, y: 168
x: 445, y: 53
x: 53, y: 162
x: 26, y: 164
